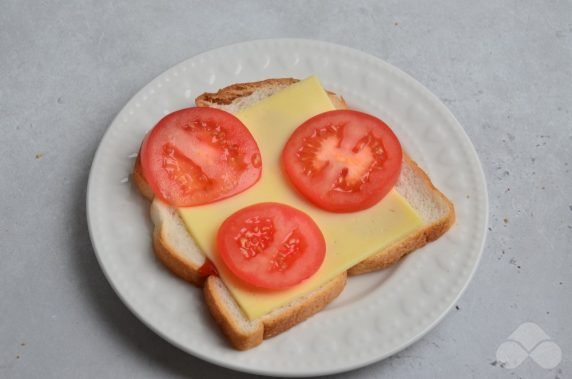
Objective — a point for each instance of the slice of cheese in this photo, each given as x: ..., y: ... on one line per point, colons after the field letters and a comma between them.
x: 350, y: 237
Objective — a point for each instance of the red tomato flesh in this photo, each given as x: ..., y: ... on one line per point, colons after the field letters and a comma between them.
x: 207, y: 269
x: 343, y: 160
x: 199, y: 155
x: 271, y: 245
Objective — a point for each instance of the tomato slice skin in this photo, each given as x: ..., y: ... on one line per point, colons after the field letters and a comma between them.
x: 199, y: 155
x: 271, y: 245
x: 343, y: 160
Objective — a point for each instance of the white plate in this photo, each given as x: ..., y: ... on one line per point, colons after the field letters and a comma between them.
x: 378, y: 314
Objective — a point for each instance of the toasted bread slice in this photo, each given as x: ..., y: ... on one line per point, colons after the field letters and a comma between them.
x: 176, y: 249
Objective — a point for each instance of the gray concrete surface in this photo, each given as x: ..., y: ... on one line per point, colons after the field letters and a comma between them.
x: 504, y: 68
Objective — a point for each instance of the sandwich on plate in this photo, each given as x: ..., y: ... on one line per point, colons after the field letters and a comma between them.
x: 268, y: 195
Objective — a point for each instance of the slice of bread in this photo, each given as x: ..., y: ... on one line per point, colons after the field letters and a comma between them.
x: 244, y: 333
x: 176, y: 249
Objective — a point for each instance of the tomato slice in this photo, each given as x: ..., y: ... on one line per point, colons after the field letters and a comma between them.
x: 199, y: 155
x: 271, y: 245
x: 343, y: 160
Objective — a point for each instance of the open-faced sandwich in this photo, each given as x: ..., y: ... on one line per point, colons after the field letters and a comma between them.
x: 269, y: 194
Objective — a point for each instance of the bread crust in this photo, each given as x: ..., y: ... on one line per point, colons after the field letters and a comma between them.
x: 392, y: 254
x: 238, y: 337
x: 278, y: 322
x: 185, y: 269
x: 286, y: 317
x: 271, y: 324
x: 139, y: 179
x: 228, y: 94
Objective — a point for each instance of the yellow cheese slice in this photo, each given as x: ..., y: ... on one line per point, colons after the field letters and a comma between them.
x: 350, y: 237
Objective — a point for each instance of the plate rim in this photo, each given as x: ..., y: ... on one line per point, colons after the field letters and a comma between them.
x: 322, y: 371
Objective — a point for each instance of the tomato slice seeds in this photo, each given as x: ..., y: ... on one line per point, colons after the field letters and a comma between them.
x: 271, y: 245
x: 199, y: 155
x: 343, y: 160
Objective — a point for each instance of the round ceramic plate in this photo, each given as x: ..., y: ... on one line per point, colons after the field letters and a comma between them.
x: 378, y: 314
